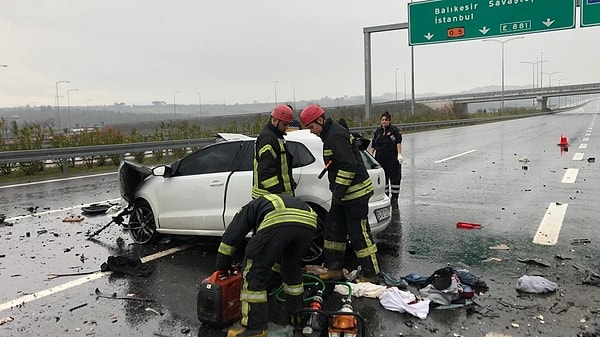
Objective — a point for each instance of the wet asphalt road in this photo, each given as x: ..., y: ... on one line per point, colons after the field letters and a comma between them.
x: 470, y: 174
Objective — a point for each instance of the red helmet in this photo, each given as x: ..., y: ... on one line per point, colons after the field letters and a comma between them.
x: 283, y: 113
x: 311, y: 113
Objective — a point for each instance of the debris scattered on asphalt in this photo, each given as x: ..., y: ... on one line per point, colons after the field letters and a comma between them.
x: 560, y: 257
x: 591, y: 160
x: 500, y: 247
x: 154, y: 311
x: 591, y: 277
x: 535, y: 284
x: 468, y: 225
x: 5, y: 320
x: 114, y: 296
x: 78, y: 307
x: 580, y: 241
x: 492, y: 259
x: 95, y: 209
x: 55, y: 275
x: 73, y: 218
x: 537, y: 262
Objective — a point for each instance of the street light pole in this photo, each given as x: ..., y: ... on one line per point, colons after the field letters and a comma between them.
x: 200, y: 102
x: 396, y: 83
x: 550, y: 77
x: 532, y: 72
x: 69, y: 106
x: 502, y: 42
x: 174, y: 105
x: 57, y: 102
x: 276, y: 92
x: 559, y: 84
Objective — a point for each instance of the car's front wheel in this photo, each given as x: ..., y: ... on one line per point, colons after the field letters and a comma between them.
x: 314, y: 253
x: 142, y: 227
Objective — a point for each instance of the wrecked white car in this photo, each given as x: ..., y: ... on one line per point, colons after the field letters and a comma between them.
x: 200, y: 193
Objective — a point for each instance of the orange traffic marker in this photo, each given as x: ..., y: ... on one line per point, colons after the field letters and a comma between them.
x: 563, y: 141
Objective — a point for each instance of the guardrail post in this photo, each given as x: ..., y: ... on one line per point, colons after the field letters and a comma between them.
x: 65, y: 163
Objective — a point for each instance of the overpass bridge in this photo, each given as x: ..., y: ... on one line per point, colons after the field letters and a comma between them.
x: 540, y: 94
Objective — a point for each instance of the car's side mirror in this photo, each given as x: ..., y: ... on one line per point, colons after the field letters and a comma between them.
x: 162, y: 171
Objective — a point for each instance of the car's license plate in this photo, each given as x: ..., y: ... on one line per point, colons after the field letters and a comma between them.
x: 382, y: 213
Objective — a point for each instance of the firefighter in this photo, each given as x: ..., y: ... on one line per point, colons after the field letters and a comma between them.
x: 272, y: 160
x: 283, y: 228
x: 387, y: 148
x: 351, y: 189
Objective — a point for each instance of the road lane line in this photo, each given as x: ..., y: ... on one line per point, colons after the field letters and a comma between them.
x: 82, y: 280
x: 578, y: 156
x: 570, y: 176
x: 455, y: 156
x: 549, y: 229
x: 61, y: 209
x: 583, y: 146
x: 585, y: 139
x: 57, y: 180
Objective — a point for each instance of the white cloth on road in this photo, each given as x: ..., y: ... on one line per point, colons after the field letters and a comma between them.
x: 402, y: 301
x: 363, y: 289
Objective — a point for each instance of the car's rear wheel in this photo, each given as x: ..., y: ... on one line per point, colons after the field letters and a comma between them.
x: 314, y: 253
x: 142, y: 227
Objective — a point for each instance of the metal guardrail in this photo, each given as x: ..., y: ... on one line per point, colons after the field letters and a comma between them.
x: 123, y: 149
x: 98, y: 150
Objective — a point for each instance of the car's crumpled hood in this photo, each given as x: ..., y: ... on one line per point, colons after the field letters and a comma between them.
x: 131, y: 176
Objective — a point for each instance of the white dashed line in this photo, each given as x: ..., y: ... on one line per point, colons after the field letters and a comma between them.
x: 583, y: 146
x: 455, y: 156
x: 82, y: 280
x: 570, y: 176
x: 578, y: 156
x: 549, y: 229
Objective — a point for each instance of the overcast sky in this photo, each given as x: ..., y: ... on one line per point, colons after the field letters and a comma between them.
x: 241, y: 51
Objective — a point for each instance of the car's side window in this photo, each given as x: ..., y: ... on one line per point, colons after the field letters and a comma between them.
x: 302, y: 155
x: 247, y: 163
x: 211, y: 159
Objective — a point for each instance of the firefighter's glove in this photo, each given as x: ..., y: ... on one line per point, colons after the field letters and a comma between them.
x: 400, y: 158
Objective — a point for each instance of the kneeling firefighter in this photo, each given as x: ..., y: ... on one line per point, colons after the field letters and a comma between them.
x: 283, y: 227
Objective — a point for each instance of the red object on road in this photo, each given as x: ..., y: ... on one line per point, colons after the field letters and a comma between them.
x: 563, y: 141
x: 468, y: 225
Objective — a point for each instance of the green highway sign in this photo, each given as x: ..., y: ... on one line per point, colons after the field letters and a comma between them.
x: 438, y: 21
x: 590, y: 13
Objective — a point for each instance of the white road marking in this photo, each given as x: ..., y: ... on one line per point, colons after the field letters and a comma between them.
x: 578, y: 156
x: 549, y: 229
x: 112, y: 201
x: 57, y: 180
x: 82, y: 280
x: 570, y: 176
x: 583, y: 146
x: 455, y: 156
x: 585, y: 139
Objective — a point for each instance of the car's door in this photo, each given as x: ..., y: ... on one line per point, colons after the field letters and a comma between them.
x: 193, y: 198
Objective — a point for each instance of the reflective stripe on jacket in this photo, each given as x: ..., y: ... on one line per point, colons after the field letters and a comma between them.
x: 272, y: 164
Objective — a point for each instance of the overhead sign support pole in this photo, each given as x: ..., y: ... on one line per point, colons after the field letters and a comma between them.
x: 367, y: 47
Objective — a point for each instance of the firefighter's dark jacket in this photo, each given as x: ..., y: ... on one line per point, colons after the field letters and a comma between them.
x: 272, y: 164
x: 269, y: 212
x: 349, y: 180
